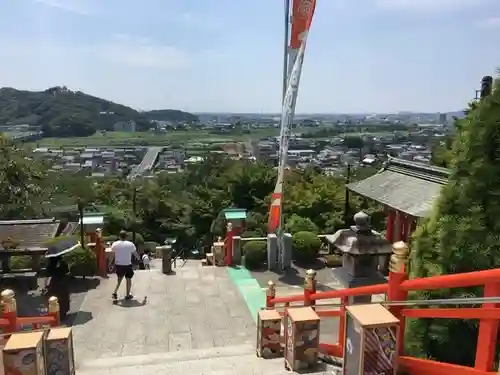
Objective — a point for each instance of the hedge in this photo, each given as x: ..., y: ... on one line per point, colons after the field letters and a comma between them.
x: 82, y: 262
x: 255, y: 254
x: 306, y: 246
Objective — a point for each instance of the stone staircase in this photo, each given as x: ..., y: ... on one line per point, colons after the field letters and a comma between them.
x: 194, y: 322
x: 227, y: 360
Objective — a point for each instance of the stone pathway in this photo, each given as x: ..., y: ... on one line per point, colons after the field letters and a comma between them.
x: 194, y: 322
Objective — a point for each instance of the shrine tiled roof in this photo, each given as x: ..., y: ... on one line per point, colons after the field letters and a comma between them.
x: 406, y: 186
x: 28, y: 233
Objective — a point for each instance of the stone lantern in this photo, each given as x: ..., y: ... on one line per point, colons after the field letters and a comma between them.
x: 363, y: 250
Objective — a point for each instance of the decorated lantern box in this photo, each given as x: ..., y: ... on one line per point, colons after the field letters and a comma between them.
x: 268, y: 334
x: 59, y: 355
x: 23, y: 354
x: 301, y: 338
x: 370, y: 346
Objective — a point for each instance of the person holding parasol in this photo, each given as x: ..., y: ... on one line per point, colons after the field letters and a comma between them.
x: 57, y: 272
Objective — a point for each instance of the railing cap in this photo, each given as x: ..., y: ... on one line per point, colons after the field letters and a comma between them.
x: 311, y: 273
x: 7, y: 294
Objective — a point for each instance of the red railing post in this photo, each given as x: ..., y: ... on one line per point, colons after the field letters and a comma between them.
x: 228, y: 256
x: 54, y: 310
x: 397, y: 275
x: 344, y: 301
x: 10, y: 309
x: 488, y: 333
x: 270, y: 294
x: 309, y: 287
x: 100, y: 252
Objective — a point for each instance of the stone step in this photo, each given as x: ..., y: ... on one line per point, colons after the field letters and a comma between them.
x: 227, y: 360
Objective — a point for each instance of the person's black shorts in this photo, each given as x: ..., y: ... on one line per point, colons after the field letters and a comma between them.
x: 125, y: 271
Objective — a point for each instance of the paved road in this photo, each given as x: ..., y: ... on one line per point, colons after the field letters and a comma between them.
x: 194, y: 322
x: 147, y: 162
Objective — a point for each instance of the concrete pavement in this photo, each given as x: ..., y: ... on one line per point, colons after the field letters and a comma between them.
x: 193, y: 322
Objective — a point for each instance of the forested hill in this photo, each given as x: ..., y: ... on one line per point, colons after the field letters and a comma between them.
x: 170, y: 115
x: 63, y: 113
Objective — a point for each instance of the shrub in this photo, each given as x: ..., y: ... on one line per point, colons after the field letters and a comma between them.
x: 306, y: 246
x: 255, y: 254
x: 82, y: 262
x: 298, y: 223
x: 20, y: 262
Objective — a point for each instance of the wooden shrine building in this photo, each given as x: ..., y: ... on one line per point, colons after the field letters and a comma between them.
x: 407, y: 190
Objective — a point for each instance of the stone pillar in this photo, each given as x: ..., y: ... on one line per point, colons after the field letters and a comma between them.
x: 287, y: 251
x: 272, y: 251
x: 166, y: 258
x: 236, y: 249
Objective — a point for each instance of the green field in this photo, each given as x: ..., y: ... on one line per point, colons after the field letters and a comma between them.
x: 172, y: 138
x: 151, y: 139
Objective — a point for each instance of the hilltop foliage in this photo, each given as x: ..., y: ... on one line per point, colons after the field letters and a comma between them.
x: 61, y: 112
x: 463, y: 233
x: 169, y: 115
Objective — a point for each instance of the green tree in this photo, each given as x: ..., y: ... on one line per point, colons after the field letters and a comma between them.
x: 22, y: 184
x: 463, y: 233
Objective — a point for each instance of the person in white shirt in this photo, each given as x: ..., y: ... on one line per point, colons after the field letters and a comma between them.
x: 146, y: 261
x: 124, y: 251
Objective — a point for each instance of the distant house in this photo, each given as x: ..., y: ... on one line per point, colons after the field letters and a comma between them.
x: 125, y: 126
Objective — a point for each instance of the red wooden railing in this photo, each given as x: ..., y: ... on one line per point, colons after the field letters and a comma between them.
x: 10, y: 322
x: 397, y: 290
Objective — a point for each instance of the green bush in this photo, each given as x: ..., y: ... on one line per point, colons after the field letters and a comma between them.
x: 306, y: 246
x: 298, y: 223
x: 255, y: 254
x: 20, y: 262
x: 81, y: 262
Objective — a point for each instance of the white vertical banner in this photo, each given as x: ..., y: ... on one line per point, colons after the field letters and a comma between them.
x: 302, y: 14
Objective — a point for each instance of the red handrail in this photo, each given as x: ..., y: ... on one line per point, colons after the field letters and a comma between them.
x: 397, y: 290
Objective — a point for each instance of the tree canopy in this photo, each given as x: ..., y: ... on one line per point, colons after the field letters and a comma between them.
x: 183, y: 205
x: 463, y: 233
x: 22, y: 182
x: 61, y: 112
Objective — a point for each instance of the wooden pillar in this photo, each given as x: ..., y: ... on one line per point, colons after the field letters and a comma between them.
x: 401, y: 226
x: 389, y: 231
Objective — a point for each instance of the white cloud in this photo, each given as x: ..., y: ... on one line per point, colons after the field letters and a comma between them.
x: 140, y: 52
x: 121, y: 50
x: 81, y: 7
x: 426, y: 5
x: 489, y: 23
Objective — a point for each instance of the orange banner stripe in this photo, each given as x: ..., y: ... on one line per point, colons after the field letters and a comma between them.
x: 302, y: 14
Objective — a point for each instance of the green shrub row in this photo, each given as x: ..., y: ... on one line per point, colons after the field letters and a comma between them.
x: 306, y: 246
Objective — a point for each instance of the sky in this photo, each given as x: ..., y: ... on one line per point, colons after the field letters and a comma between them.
x: 363, y: 56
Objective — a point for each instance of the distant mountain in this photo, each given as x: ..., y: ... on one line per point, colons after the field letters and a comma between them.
x: 61, y: 112
x: 170, y: 115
